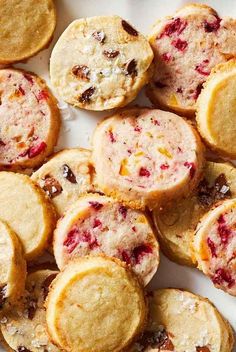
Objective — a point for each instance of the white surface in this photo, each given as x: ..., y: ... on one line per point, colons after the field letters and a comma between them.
x: 77, y: 130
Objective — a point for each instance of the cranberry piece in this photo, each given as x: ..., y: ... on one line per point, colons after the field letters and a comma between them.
x: 37, y: 149
x: 212, y: 247
x: 197, y: 91
x: 213, y: 26
x: 155, y: 122
x: 42, y: 95
x: 223, y: 230
x: 166, y: 57
x: 129, y: 29
x: 28, y: 78
x: 140, y: 251
x: 134, y: 229
x: 177, y: 25
x: 95, y: 205
x: 71, y: 240
x: 179, y: 44
x: 111, y: 136
x: 191, y: 167
x: 201, y: 68
x: 96, y: 223
x: 160, y: 85
x: 221, y: 276
x: 126, y: 257
x: 137, y: 129
x: 123, y: 211
x: 144, y: 172
x: 164, y: 166
x: 21, y: 90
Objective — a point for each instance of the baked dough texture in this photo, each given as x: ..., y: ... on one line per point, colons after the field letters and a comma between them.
x: 96, y: 224
x: 27, y: 27
x: 146, y: 157
x: 25, y: 329
x: 177, y: 223
x: 95, y: 304
x: 29, y: 120
x: 66, y: 176
x: 181, y: 321
x: 186, y: 47
x: 215, y: 245
x: 107, y: 65
x: 216, y: 109
x: 24, y: 206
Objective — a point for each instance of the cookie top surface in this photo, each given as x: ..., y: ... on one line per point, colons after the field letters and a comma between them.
x: 65, y: 177
x: 107, y: 66
x: 215, y: 245
x: 96, y: 224
x: 176, y: 224
x: 20, y: 22
x: 184, y: 322
x: 29, y: 119
x: 144, y: 156
x: 216, y: 109
x: 182, y: 63
x: 26, y: 209
x: 24, y: 329
x: 95, y: 304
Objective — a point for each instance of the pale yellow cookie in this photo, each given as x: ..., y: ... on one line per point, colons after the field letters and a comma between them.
x: 25, y: 207
x: 66, y: 176
x: 107, y: 65
x: 25, y: 329
x: 181, y: 321
x: 27, y: 27
x: 95, y: 305
x: 176, y: 224
x: 216, y: 109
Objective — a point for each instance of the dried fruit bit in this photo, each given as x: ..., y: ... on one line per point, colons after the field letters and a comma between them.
x: 221, y: 276
x: 155, y: 339
x: 144, y: 172
x: 37, y: 149
x: 166, y: 57
x: 209, y: 195
x: 86, y: 95
x: 164, y: 166
x: 22, y: 349
x: 51, y: 186
x: 140, y: 251
x: 191, y: 167
x: 126, y: 257
x: 81, y: 72
x: 111, y: 54
x: 96, y: 223
x: 197, y: 91
x: 74, y: 237
x: 129, y: 29
x: 123, y: 211
x: 42, y: 95
x: 68, y: 173
x: 213, y: 26
x: 138, y: 129
x: 47, y: 282
x: 177, y: 25
x: 99, y: 36
x: 131, y: 68
x: 111, y: 136
x: 202, y: 349
x: 201, y: 68
x: 28, y: 78
x: 212, y: 247
x: 179, y: 44
x: 3, y: 291
x: 95, y: 205
x: 21, y: 90
x: 223, y: 230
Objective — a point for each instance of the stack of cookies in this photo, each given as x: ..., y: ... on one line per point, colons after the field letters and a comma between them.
x: 100, y: 214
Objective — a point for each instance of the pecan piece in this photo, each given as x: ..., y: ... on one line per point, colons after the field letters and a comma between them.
x: 86, y: 95
x: 81, y: 72
x: 111, y: 54
x: 3, y: 292
x: 202, y: 349
x: 51, y: 186
x: 129, y: 29
x: 100, y: 36
x: 22, y: 349
x: 68, y: 174
x: 131, y: 68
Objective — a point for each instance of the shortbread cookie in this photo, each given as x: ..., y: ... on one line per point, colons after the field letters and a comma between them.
x: 66, y: 176
x: 98, y: 224
x: 12, y: 267
x: 108, y: 64
x: 146, y: 157
x: 216, y: 109
x: 24, y: 206
x: 181, y: 321
x: 215, y: 245
x: 29, y: 120
x: 25, y: 329
x: 96, y: 304
x: 176, y: 224
x: 186, y: 47
x: 27, y: 27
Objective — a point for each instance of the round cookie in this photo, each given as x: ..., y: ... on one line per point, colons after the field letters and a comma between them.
x: 12, y: 267
x: 177, y: 223
x: 108, y: 64
x: 24, y: 206
x: 96, y: 304
x: 98, y: 224
x: 29, y: 120
x: 66, y: 176
x: 216, y: 109
x: 186, y: 47
x: 182, y: 321
x: 25, y: 329
x: 20, y: 22
x: 146, y: 157
x: 215, y: 246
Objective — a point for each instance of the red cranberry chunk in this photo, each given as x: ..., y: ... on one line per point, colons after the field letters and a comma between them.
x: 197, y: 91
x: 42, y: 95
x: 222, y: 276
x: 213, y: 26
x: 95, y: 205
x: 140, y: 251
x: 112, y: 137
x: 164, y: 166
x: 126, y: 257
x: 123, y: 211
x: 144, y: 172
x: 37, y: 149
x: 223, y: 230
x: 177, y: 25
x: 212, y: 247
x: 179, y: 44
x: 96, y: 223
x: 191, y: 167
x: 201, y: 68
x: 166, y: 57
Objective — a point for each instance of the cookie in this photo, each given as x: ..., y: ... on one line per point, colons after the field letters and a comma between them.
x: 215, y: 246
x: 24, y: 206
x: 182, y: 321
x: 186, y: 47
x: 95, y: 304
x: 25, y: 329
x: 12, y: 267
x: 216, y: 109
x: 176, y: 224
x: 146, y: 157
x: 98, y: 224
x: 29, y: 120
x: 66, y: 176
x: 20, y: 22
x: 108, y: 63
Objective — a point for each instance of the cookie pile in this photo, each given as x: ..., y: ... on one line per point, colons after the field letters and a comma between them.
x: 147, y: 179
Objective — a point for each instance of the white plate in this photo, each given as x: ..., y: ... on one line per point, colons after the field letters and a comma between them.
x: 77, y: 130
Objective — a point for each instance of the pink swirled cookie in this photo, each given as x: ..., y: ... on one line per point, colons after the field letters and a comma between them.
x: 146, y: 157
x: 98, y: 224
x: 183, y: 64
x: 215, y: 246
x: 29, y: 120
